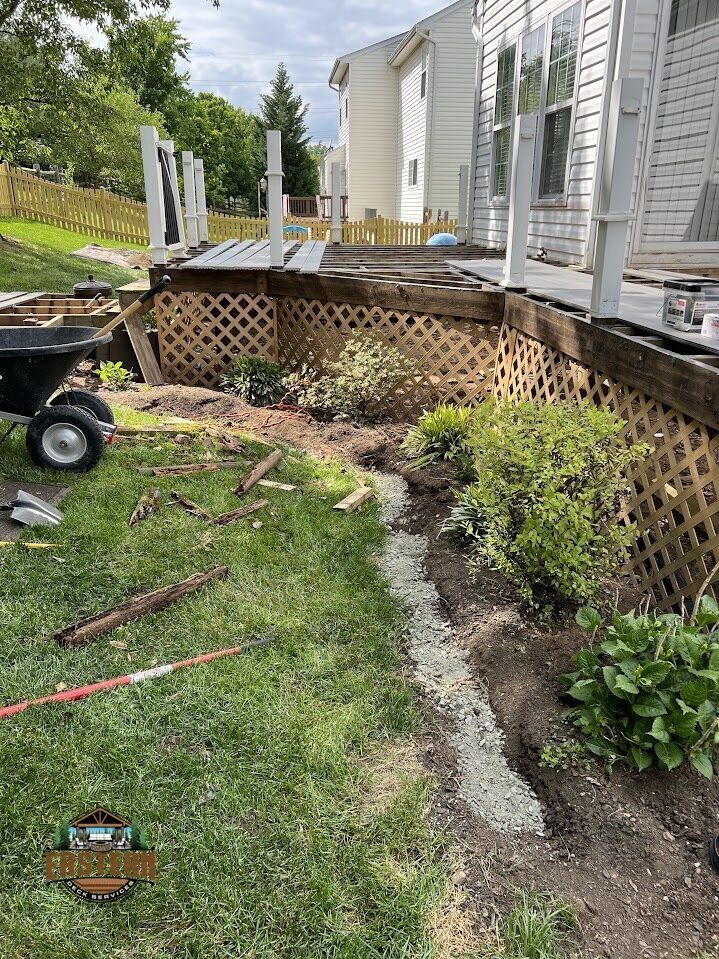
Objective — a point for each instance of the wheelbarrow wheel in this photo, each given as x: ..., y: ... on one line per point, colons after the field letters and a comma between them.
x: 64, y: 438
x: 84, y: 400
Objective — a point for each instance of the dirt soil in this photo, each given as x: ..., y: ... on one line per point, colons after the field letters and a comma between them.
x: 629, y: 851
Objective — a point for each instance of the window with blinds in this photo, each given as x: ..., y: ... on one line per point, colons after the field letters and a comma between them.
x: 502, y: 130
x: 530, y: 72
x: 559, y: 102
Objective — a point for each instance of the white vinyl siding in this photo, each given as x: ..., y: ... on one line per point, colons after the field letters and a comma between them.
x: 411, y: 136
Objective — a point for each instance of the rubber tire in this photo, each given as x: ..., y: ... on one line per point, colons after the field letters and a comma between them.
x: 51, y: 416
x: 89, y: 402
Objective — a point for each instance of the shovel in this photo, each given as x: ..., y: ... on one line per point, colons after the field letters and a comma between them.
x: 31, y: 510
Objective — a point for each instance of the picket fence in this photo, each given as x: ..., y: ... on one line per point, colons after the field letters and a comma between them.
x: 108, y: 216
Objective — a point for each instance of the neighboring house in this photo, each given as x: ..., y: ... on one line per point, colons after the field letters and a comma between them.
x: 550, y: 58
x: 406, y: 115
x: 336, y: 155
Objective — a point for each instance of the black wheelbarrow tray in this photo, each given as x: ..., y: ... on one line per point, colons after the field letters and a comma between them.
x: 71, y: 432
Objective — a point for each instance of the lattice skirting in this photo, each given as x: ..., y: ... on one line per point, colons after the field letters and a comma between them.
x: 201, y: 333
x: 673, y: 494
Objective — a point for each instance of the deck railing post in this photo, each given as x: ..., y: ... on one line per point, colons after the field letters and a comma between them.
x: 615, y: 197
x: 149, y: 143
x: 336, y: 205
x: 520, y: 198
x: 274, y: 196
x: 188, y: 175
x: 201, y: 200
x: 462, y: 203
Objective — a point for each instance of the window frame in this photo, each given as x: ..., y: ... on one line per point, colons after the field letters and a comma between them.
x: 423, y: 76
x: 497, y: 199
x: 413, y: 173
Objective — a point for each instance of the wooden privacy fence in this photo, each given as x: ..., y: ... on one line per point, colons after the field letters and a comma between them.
x: 519, y: 350
x: 111, y: 217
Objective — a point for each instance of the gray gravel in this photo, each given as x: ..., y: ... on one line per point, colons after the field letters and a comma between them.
x: 496, y: 793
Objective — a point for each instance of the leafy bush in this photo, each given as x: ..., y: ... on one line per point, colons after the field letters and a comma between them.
x: 650, y: 692
x: 255, y: 380
x: 441, y: 434
x: 542, y: 508
x: 356, y: 383
x: 114, y: 375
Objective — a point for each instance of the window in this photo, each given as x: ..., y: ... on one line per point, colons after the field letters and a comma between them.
x: 347, y: 107
x: 412, y: 173
x: 423, y: 79
x: 503, y: 109
x: 558, y: 103
x: 530, y: 72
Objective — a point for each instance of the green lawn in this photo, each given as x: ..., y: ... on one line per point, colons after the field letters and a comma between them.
x: 250, y: 774
x: 35, y: 256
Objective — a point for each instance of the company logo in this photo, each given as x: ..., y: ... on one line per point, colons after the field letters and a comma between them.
x: 100, y: 857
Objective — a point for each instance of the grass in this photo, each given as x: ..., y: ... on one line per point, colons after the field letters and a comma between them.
x: 36, y: 256
x: 538, y: 927
x: 250, y: 774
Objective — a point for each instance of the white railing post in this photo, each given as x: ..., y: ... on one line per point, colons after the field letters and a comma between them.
x: 520, y: 198
x: 336, y: 205
x: 149, y: 143
x: 188, y: 175
x: 201, y: 200
x: 615, y: 196
x: 274, y: 196
x: 462, y: 203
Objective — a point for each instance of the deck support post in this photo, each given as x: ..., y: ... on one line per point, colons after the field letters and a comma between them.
x: 615, y: 196
x: 149, y: 143
x: 274, y: 196
x: 462, y: 203
x: 336, y: 205
x: 188, y: 175
x: 201, y: 200
x: 520, y: 198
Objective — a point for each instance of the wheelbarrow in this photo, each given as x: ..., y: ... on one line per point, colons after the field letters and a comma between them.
x: 71, y: 430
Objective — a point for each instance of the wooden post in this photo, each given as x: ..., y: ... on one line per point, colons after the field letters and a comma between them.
x: 616, y: 196
x: 274, y: 196
x: 153, y: 195
x: 188, y: 174
x: 462, y: 203
x: 336, y: 210
x: 201, y: 200
x: 520, y: 198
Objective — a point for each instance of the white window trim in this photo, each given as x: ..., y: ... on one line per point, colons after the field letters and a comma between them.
x: 423, y: 76
x: 413, y: 169
x: 496, y: 200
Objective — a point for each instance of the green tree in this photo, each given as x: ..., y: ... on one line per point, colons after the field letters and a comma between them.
x: 282, y: 109
x: 61, y: 839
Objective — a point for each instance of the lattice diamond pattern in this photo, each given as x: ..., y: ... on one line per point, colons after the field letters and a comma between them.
x: 673, y: 494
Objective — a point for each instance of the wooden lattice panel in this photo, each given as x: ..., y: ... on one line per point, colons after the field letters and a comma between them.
x: 452, y: 359
x: 201, y: 333
x: 673, y: 493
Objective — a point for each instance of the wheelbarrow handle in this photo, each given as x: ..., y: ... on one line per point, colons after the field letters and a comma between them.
x: 135, y: 307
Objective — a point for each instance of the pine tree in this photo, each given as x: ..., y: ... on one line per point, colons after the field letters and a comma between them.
x: 282, y: 109
x: 61, y: 839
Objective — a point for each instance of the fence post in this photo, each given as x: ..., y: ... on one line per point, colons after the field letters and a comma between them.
x: 201, y: 200
x: 336, y: 211
x: 106, y: 215
x: 462, y: 203
x: 615, y: 196
x: 188, y: 176
x: 274, y: 196
x: 520, y: 197
x: 153, y: 194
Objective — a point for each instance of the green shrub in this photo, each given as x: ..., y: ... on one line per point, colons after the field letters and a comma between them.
x: 650, y: 691
x: 543, y: 507
x: 441, y: 434
x: 113, y: 375
x: 255, y: 380
x: 358, y: 381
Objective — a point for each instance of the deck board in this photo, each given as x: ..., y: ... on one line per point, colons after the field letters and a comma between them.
x: 215, y: 253
x: 300, y: 257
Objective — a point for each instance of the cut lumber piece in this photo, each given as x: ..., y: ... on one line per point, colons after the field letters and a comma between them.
x: 140, y: 341
x: 272, y: 484
x: 189, y: 507
x: 224, y: 518
x: 90, y: 628
x: 352, y: 502
x: 190, y: 468
x: 264, y: 466
x: 147, y: 504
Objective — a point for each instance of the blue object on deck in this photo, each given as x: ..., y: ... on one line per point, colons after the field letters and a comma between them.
x: 295, y: 228
x: 442, y: 239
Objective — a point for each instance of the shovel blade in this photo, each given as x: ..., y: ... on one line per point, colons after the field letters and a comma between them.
x: 33, y: 511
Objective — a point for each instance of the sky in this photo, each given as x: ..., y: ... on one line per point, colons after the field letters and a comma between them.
x: 236, y: 47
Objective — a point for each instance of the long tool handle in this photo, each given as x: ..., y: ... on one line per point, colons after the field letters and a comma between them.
x: 136, y: 307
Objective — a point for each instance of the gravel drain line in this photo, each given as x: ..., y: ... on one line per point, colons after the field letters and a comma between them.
x: 493, y: 790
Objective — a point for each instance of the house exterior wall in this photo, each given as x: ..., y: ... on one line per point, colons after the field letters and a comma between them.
x: 562, y: 227
x: 411, y: 136
x: 333, y: 156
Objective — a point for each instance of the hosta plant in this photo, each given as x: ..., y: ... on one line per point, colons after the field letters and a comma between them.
x: 257, y: 381
x: 113, y: 375
x: 441, y: 434
x: 647, y: 689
